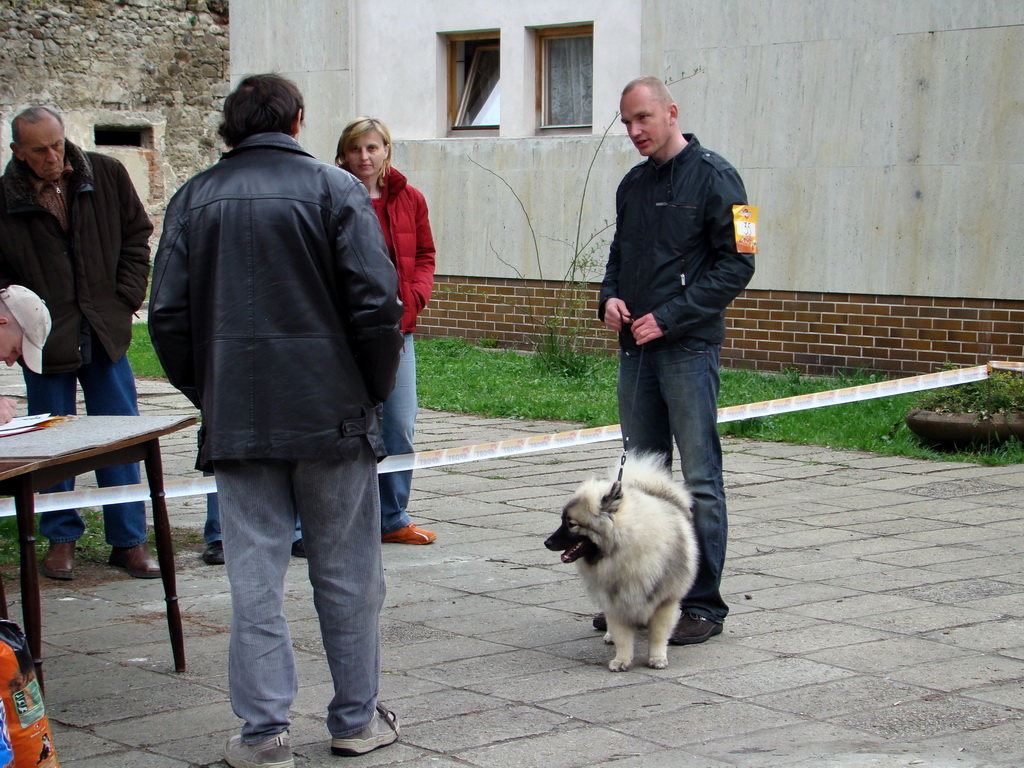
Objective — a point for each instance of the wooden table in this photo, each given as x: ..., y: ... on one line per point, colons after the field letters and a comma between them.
x: 34, y: 461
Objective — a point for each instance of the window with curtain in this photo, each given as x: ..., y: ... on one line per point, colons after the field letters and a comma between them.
x: 566, y: 76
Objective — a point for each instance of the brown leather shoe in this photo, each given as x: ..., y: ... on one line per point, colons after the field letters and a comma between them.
x: 136, y: 560
x: 59, y: 562
x: 691, y: 629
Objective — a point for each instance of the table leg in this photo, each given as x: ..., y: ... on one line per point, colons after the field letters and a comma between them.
x: 31, y: 603
x: 165, y: 551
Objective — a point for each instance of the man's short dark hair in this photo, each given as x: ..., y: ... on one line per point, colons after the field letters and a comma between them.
x: 260, y: 104
x: 31, y: 116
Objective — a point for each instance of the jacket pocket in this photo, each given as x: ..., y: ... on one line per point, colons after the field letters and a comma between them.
x: 678, y: 228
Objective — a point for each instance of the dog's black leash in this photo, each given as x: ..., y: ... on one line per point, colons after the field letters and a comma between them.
x: 632, y: 414
x: 622, y: 461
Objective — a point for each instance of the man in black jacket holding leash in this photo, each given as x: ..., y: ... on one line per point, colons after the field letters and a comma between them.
x: 682, y: 251
x: 274, y: 310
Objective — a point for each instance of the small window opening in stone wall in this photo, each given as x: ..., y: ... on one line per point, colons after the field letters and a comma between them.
x: 123, y: 136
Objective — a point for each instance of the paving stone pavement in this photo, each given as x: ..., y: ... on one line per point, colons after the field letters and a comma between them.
x: 877, y: 621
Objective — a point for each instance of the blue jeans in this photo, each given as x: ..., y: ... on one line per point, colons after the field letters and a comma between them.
x: 670, y: 394
x: 338, y: 504
x: 398, y: 430
x: 109, y: 390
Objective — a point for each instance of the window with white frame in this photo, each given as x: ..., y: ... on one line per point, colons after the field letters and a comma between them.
x: 565, y: 76
x: 474, y: 80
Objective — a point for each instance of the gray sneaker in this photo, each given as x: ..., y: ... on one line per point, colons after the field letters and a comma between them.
x: 381, y: 731
x: 275, y: 752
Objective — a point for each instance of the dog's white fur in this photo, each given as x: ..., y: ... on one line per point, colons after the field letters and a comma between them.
x: 648, y: 556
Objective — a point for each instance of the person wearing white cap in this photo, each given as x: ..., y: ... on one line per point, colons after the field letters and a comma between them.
x: 24, y: 326
x: 73, y: 230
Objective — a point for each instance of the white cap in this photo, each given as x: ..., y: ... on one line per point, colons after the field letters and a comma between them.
x: 34, y: 318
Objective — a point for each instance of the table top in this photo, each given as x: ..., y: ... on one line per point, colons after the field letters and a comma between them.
x: 80, y: 437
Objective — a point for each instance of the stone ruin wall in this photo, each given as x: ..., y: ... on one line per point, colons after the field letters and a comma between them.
x: 155, y: 69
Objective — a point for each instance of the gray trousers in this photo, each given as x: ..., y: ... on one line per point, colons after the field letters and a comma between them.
x: 340, y: 513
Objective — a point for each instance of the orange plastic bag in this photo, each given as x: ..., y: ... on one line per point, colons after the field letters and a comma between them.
x: 27, y: 723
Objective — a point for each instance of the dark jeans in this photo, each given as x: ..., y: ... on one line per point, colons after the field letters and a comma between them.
x: 670, y: 394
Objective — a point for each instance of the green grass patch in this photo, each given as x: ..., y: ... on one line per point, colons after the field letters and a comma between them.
x: 453, y: 375
x: 871, y: 425
x: 141, y: 355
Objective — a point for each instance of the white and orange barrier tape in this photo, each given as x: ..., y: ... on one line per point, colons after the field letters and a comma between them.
x: 91, y: 497
x: 865, y: 392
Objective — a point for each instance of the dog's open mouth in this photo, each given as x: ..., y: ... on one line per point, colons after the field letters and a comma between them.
x: 576, y: 551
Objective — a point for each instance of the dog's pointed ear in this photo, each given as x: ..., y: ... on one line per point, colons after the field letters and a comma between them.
x: 611, y: 500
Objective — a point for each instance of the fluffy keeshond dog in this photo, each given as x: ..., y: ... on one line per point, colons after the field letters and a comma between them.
x: 634, y: 544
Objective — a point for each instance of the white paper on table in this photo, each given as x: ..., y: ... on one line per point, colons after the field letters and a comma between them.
x: 21, y: 424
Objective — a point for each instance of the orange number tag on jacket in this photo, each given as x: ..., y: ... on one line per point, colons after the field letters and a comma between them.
x: 744, y: 222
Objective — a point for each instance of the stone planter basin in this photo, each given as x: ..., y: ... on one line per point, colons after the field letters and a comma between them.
x: 965, y: 428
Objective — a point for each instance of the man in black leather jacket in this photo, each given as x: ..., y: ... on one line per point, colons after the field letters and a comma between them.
x: 675, y: 264
x: 274, y: 310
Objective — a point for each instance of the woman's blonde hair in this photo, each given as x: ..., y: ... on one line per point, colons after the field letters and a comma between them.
x: 355, y: 130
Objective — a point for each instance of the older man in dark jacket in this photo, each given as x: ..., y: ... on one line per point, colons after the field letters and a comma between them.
x: 73, y: 230
x: 274, y: 310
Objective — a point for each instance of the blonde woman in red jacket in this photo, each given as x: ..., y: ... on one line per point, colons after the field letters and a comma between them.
x: 364, y: 150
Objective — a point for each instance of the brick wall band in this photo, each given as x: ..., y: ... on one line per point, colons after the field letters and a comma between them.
x: 817, y: 333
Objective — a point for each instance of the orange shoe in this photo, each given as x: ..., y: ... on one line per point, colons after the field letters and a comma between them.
x: 408, y: 535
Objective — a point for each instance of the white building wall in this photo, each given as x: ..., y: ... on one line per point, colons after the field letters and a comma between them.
x: 387, y: 58
x: 309, y: 42
x: 401, y: 71
x: 883, y: 141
